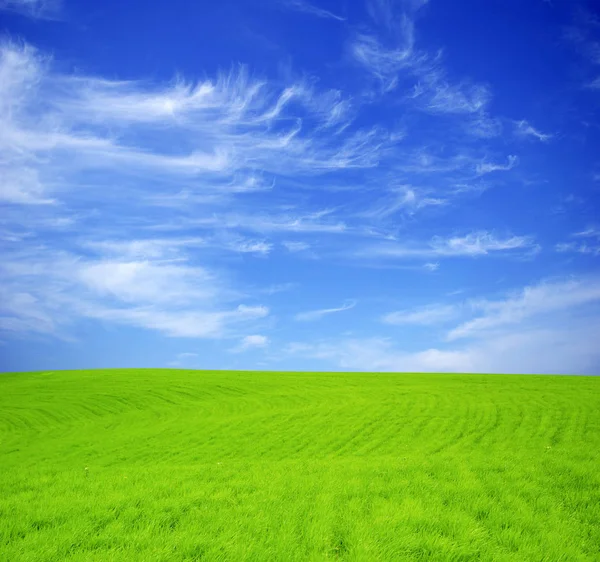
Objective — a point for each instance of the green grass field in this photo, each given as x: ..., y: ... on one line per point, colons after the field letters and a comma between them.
x: 144, y: 465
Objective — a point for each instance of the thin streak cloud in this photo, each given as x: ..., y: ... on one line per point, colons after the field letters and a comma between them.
x: 314, y: 315
x: 311, y: 9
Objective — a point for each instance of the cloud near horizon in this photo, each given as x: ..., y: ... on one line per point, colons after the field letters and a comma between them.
x: 553, y: 319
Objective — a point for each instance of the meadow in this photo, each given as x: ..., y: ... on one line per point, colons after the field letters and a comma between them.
x: 174, y: 465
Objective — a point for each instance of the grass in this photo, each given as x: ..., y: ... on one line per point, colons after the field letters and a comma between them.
x: 159, y: 465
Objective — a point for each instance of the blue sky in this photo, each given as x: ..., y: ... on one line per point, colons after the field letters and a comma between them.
x: 283, y: 184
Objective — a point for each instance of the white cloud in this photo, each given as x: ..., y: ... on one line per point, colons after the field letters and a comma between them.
x: 308, y: 8
x: 488, y: 167
x: 475, y: 244
x: 389, y: 53
x: 229, y: 128
x: 479, y: 243
x: 144, y: 281
x: 531, y: 303
x: 23, y: 186
x: 318, y: 314
x: 278, y: 288
x: 389, y: 48
x: 404, y: 198
x: 74, y: 141
x: 558, y: 350
x: 591, y: 232
x: 182, y: 359
x: 380, y: 354
x: 582, y: 33
x: 385, y: 63
x: 20, y: 311
x: 291, y: 246
x: 590, y: 246
x: 255, y: 341
x: 305, y: 223
x: 423, y: 161
x: 236, y: 135
x: 524, y: 129
x: 43, y: 9
x: 426, y: 316
x: 546, y: 328
x: 431, y: 266
x: 572, y: 247
x: 234, y: 156
x: 252, y: 246
x: 151, y: 248
x: 172, y: 248
x: 49, y: 292
x: 457, y: 98
x: 481, y: 125
x: 382, y: 13
x: 176, y: 323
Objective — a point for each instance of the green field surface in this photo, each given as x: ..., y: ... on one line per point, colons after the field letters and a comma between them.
x: 173, y: 465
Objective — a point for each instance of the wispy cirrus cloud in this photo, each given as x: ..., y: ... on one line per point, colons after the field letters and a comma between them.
x: 431, y: 266
x: 228, y: 128
x: 388, y: 48
x: 475, y: 244
x: 582, y: 248
x: 480, y: 243
x: 389, y: 52
x: 482, y: 126
x: 590, y: 232
x: 489, y: 167
x: 428, y: 315
x: 386, y: 63
x: 583, y: 35
x: 285, y: 223
x: 236, y: 134
x: 590, y: 244
x: 175, y: 247
x: 442, y: 97
x: 144, y: 249
x: 311, y: 9
x: 525, y: 129
x: 192, y: 171
x: 403, y: 198
x: 39, y: 9
x: 245, y: 246
x: 75, y: 141
x: 313, y: 315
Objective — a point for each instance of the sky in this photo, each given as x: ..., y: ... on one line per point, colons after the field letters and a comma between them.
x: 328, y: 185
